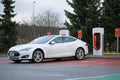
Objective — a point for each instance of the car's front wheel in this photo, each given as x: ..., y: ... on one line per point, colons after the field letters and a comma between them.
x: 80, y: 54
x: 37, y: 56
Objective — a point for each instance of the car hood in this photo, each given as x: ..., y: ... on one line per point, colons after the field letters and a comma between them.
x: 23, y: 46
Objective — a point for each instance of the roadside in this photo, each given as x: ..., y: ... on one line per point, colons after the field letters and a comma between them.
x: 3, y: 54
x: 104, y: 56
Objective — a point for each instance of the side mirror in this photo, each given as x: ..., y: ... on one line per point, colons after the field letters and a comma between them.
x: 52, y: 42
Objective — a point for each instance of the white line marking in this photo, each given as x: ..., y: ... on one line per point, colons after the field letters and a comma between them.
x: 92, y: 77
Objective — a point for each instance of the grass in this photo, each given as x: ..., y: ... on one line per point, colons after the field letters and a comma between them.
x: 111, y: 53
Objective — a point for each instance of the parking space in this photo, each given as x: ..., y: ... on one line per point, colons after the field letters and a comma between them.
x: 98, y: 62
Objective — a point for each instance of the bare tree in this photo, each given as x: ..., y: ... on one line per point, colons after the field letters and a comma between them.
x: 47, y: 21
x: 48, y: 18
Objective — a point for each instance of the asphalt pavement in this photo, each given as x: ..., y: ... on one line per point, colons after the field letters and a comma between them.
x: 106, y: 67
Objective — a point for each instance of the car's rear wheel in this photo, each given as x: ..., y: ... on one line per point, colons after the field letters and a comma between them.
x: 37, y: 56
x: 80, y: 54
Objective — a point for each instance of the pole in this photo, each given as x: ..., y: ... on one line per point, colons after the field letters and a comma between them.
x: 34, y: 33
x: 117, y: 44
x: 33, y: 11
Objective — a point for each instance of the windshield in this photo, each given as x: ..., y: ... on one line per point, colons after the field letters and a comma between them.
x: 41, y: 40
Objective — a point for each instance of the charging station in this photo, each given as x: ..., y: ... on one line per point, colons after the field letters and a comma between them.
x: 98, y: 41
x: 64, y: 32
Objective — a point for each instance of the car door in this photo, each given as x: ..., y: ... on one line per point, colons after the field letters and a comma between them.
x: 56, y: 49
x: 69, y: 42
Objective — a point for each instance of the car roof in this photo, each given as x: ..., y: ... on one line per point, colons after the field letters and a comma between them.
x: 61, y: 36
x: 58, y: 35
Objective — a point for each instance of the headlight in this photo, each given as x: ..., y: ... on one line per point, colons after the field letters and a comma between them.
x: 25, y: 49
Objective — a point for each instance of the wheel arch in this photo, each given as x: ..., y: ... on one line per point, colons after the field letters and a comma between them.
x: 40, y: 50
x: 80, y: 48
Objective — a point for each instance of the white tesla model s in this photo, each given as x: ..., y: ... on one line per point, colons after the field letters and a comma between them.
x: 51, y: 46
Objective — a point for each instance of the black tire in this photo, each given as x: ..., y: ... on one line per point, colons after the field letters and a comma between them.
x: 79, y: 54
x: 37, y: 56
x: 17, y: 61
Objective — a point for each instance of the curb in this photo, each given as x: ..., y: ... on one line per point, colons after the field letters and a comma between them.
x: 104, y: 56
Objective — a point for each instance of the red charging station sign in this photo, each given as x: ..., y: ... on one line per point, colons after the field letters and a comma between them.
x: 79, y: 34
x: 48, y: 33
x: 117, y: 32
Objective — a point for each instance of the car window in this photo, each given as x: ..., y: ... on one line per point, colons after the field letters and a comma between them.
x: 68, y: 39
x: 41, y: 40
x: 58, y: 40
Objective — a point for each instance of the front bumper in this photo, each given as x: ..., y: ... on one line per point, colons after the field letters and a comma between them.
x: 15, y: 55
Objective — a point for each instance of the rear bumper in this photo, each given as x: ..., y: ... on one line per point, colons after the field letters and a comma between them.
x: 86, y: 50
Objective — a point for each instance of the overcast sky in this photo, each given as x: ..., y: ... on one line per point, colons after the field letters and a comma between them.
x: 24, y: 8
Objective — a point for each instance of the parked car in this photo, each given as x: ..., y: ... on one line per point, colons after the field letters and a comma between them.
x: 50, y: 46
